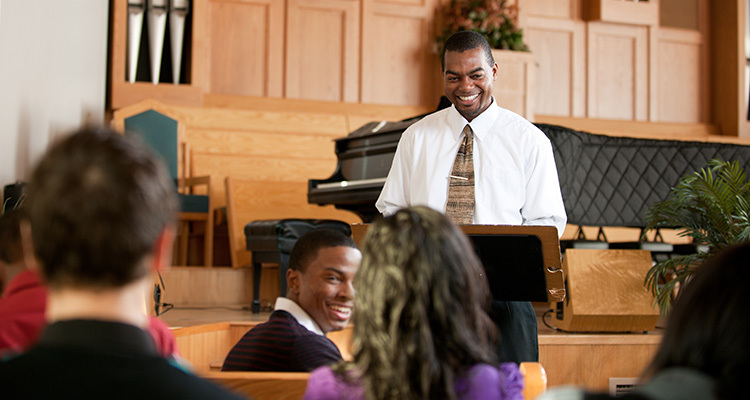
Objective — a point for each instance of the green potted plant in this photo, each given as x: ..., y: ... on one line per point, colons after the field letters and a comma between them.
x: 495, y: 19
x: 712, y: 206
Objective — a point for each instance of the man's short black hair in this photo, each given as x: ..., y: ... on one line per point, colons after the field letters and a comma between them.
x: 467, y: 40
x: 306, y: 248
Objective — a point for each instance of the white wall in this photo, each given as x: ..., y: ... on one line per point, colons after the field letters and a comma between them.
x: 53, y: 60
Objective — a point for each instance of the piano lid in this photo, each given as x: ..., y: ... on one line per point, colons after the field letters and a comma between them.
x: 364, y: 159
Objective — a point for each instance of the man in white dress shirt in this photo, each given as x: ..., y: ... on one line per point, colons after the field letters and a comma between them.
x: 514, y: 169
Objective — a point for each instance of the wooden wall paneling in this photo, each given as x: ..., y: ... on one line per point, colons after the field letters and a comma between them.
x: 652, y: 73
x: 588, y: 361
x: 254, y: 199
x: 322, y: 50
x: 201, y: 345
x: 123, y: 93
x: 190, y: 286
x: 728, y: 62
x: 559, y: 49
x: 618, y: 65
x: 279, y: 170
x: 680, y: 76
x: 624, y: 12
x: 240, y: 120
x: 555, y: 9
x: 399, y: 61
x: 516, y: 79
x: 245, y: 47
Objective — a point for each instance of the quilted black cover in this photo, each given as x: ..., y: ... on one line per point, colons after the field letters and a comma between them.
x: 611, y: 181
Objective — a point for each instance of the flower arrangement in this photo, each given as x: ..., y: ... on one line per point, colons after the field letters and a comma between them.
x: 495, y: 19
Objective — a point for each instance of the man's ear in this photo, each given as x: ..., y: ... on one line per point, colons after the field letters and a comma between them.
x: 163, y: 248
x: 293, y: 282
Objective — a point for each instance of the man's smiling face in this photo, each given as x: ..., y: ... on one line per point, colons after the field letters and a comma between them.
x: 468, y: 80
x: 324, y: 289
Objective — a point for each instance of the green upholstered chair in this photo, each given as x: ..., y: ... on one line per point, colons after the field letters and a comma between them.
x: 162, y: 133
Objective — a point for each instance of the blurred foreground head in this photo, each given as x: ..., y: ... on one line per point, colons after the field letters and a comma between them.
x: 97, y: 202
x: 708, y: 328
x: 420, y: 304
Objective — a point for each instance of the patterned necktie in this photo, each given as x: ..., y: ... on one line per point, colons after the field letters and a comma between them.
x: 460, y: 207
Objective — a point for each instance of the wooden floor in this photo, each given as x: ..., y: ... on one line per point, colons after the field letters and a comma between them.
x: 582, y: 359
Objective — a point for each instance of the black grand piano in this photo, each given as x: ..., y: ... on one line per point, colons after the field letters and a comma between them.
x: 364, y: 159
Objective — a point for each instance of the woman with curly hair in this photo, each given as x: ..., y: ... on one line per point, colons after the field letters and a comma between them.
x: 420, y: 326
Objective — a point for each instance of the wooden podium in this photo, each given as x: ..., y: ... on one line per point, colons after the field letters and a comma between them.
x: 606, y: 292
x: 513, y: 255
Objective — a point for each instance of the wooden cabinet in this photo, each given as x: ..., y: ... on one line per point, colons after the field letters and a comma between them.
x: 516, y: 78
x: 643, y: 12
x: 620, y: 59
x: 358, y: 51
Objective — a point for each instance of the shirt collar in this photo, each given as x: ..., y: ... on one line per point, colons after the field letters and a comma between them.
x: 479, y: 125
x: 304, y: 319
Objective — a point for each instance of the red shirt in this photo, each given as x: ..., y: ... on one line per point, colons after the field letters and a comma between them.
x: 22, y: 312
x: 22, y: 317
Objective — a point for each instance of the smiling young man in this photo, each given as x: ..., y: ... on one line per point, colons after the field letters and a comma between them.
x: 513, y: 169
x: 319, y: 300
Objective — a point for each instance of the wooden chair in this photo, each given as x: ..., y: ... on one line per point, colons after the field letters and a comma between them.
x: 161, y: 129
x: 292, y: 385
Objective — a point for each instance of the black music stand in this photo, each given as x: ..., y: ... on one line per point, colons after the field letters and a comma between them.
x: 522, y: 262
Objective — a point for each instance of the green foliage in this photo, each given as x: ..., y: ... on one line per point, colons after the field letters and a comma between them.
x: 494, y: 19
x: 712, y: 206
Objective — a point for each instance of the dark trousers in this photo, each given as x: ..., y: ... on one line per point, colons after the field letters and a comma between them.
x: 518, y: 339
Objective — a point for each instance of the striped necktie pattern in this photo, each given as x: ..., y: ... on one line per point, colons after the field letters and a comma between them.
x: 460, y: 207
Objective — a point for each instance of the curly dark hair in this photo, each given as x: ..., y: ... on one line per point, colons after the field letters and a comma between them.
x: 420, y: 319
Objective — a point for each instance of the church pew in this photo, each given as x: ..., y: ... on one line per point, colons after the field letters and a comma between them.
x: 291, y: 385
x: 262, y: 385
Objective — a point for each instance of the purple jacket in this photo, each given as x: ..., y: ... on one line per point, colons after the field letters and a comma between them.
x: 481, y: 382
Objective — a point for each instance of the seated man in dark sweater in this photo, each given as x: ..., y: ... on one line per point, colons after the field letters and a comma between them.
x: 319, y: 300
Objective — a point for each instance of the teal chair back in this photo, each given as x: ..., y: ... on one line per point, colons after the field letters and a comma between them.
x: 160, y: 133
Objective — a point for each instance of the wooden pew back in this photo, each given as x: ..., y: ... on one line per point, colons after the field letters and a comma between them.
x: 262, y: 385
x: 292, y: 385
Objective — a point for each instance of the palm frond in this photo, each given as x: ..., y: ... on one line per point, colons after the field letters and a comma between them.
x: 712, y: 206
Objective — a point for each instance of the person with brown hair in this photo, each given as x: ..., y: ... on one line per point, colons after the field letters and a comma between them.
x: 101, y: 214
x: 421, y: 330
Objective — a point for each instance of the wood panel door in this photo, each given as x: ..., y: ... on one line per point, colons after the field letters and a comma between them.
x: 322, y: 50
x: 681, y: 77
x: 560, y: 52
x: 400, y: 64
x: 245, y: 47
x: 618, y: 71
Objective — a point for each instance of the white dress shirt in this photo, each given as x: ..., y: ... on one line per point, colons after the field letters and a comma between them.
x: 514, y: 169
x: 304, y: 319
